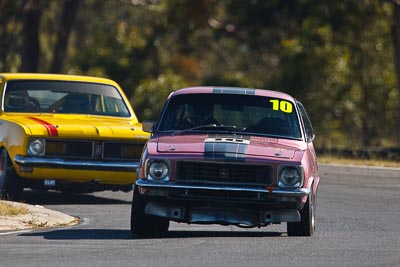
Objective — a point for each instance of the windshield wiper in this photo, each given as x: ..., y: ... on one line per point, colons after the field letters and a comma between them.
x: 228, y: 128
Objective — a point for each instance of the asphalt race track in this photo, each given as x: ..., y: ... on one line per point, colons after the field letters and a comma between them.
x: 358, y: 224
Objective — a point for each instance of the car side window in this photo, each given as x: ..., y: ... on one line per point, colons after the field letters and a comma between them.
x: 309, y: 131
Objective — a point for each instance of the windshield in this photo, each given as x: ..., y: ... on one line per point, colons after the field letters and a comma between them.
x: 64, y: 97
x: 247, y: 114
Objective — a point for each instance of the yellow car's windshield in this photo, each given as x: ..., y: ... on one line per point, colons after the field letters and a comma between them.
x: 37, y: 96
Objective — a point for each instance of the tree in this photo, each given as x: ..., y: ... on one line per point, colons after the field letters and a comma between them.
x: 32, y: 12
x: 396, y: 46
x: 69, y: 11
x: 10, y: 21
x: 334, y: 56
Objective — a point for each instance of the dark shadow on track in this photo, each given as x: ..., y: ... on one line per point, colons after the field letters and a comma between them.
x: 58, y: 198
x: 110, y: 234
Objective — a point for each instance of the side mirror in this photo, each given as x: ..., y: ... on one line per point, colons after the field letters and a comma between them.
x: 147, y: 126
x: 311, y: 138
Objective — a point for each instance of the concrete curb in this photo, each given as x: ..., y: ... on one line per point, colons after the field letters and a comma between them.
x: 36, y: 217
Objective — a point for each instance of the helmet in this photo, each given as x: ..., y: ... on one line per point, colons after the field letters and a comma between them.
x: 17, y: 99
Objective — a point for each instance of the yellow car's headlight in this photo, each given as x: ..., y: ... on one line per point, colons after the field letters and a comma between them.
x: 36, y: 147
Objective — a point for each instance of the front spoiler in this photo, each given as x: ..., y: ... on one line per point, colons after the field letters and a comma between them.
x: 164, y: 202
x: 211, y: 215
x: 123, y: 166
x: 278, y: 191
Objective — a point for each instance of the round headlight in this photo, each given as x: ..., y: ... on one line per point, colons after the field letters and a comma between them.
x: 36, y: 147
x: 158, y: 170
x: 290, y: 176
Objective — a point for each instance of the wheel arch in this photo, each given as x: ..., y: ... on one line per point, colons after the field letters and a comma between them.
x: 13, y: 138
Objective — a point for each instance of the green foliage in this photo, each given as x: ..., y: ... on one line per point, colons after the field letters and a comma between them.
x: 151, y: 94
x: 334, y: 56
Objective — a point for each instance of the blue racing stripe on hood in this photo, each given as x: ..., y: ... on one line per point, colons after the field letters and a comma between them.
x: 225, y: 148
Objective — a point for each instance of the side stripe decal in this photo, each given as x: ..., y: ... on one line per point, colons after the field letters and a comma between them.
x: 51, y: 129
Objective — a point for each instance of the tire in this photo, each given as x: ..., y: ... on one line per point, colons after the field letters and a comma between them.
x: 10, y: 186
x: 142, y: 223
x: 306, y: 226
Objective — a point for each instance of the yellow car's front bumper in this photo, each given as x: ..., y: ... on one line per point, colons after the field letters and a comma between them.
x: 103, y: 172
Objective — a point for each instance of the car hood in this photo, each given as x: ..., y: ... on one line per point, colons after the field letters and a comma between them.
x: 79, y: 126
x: 229, y: 146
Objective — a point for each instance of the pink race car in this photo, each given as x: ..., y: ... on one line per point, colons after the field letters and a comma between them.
x: 229, y: 156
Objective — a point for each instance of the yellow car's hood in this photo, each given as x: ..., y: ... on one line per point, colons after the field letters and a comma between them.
x: 79, y: 126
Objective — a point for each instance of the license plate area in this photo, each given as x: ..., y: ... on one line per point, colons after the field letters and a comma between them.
x: 49, y: 183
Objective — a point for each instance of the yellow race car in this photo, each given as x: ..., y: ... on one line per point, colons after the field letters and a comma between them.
x: 67, y: 133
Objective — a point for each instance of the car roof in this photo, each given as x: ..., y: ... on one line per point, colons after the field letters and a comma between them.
x: 56, y: 77
x: 232, y: 90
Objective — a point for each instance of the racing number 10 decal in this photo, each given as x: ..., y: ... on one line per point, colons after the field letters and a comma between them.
x: 281, y: 105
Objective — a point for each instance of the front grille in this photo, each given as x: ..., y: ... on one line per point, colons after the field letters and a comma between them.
x: 70, y: 149
x: 94, y: 150
x: 223, y: 173
x: 119, y: 150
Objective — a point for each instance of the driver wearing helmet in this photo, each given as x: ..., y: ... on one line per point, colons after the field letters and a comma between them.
x: 198, y: 115
x: 19, y: 100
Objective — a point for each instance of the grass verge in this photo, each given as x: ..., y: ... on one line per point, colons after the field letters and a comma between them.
x: 8, y: 209
x: 361, y: 162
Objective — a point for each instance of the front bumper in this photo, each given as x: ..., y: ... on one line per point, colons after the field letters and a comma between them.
x: 223, y: 204
x: 41, y: 162
x: 290, y: 192
x: 73, y: 187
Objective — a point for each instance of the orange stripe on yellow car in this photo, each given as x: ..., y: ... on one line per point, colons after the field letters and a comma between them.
x: 51, y: 129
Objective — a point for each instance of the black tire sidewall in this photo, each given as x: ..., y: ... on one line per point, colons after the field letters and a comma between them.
x: 142, y: 223
x: 3, y: 166
x: 305, y: 226
x: 10, y: 187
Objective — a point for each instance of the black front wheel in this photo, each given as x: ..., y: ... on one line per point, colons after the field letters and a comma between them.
x: 142, y: 223
x: 10, y: 186
x: 306, y: 226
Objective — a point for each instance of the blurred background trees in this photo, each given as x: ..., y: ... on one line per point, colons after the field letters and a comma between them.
x: 338, y: 57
